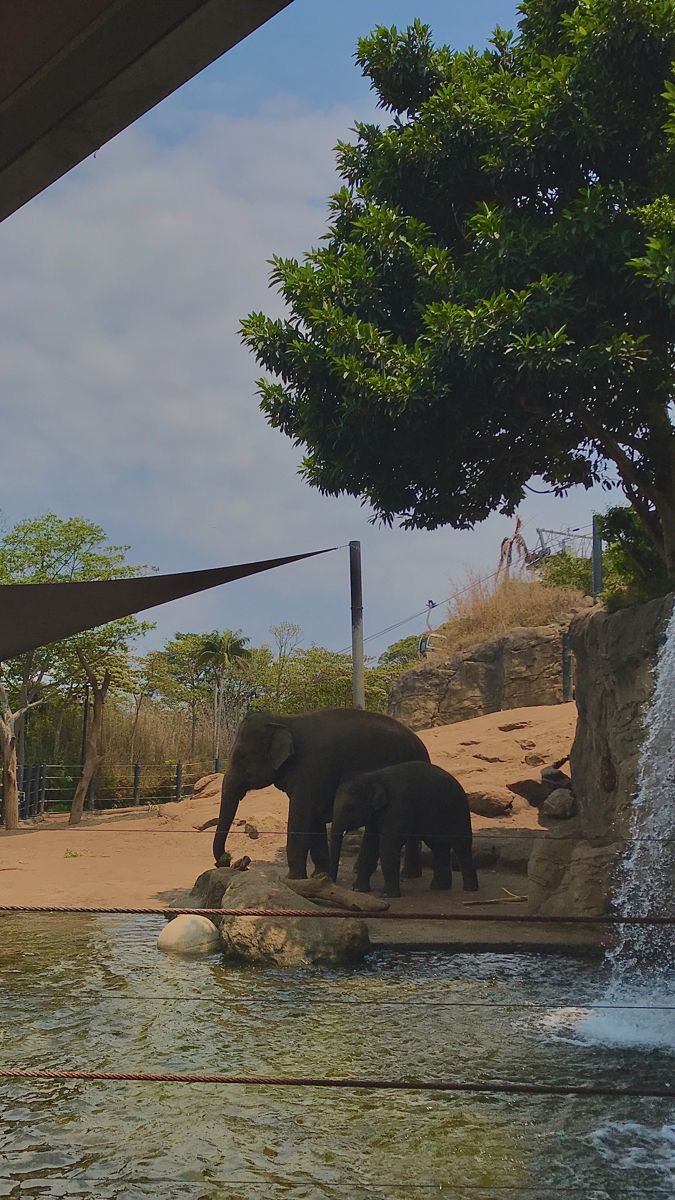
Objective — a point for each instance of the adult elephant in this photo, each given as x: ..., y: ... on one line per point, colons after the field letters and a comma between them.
x: 309, y: 756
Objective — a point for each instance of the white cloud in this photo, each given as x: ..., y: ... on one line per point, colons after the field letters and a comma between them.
x: 129, y: 399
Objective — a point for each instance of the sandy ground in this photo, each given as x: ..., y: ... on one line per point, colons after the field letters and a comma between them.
x: 139, y: 857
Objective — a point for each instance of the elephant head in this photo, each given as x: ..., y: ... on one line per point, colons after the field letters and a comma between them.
x: 263, y: 744
x: 357, y: 802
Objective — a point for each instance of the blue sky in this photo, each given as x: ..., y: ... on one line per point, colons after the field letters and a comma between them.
x: 128, y: 396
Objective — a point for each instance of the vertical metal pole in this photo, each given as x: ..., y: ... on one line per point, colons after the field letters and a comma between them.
x: 137, y: 784
x: 566, y: 668
x: 597, y: 556
x: 358, y: 678
x: 179, y: 780
x: 216, y: 765
x: 43, y: 789
x: 90, y: 797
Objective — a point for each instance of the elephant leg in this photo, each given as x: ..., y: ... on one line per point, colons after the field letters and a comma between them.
x: 369, y: 852
x: 441, y: 852
x: 412, y: 860
x: 318, y: 851
x: 465, y: 859
x: 390, y: 861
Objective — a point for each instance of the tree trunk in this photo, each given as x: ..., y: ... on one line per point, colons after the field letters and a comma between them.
x: 8, y: 724
x: 134, y: 731
x: 92, y: 754
x: 10, y: 785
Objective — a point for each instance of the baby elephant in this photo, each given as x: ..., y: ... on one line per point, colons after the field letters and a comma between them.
x: 409, y: 800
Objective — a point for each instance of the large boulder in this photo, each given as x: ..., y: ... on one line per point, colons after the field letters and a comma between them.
x: 561, y: 805
x: 189, y: 935
x: 571, y: 877
x: 287, y: 941
x: 521, y: 669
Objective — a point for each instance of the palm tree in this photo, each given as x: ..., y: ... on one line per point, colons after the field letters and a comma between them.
x: 219, y: 653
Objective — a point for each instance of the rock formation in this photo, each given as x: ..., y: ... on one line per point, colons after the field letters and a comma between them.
x: 521, y: 669
x: 572, y: 871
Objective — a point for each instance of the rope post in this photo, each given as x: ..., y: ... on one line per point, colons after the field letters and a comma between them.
x: 358, y: 676
x: 216, y: 765
x: 179, y: 781
x: 137, y: 784
x: 566, y: 667
x: 597, y: 556
x: 42, y: 784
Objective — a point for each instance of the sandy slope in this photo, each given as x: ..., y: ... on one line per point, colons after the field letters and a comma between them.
x: 136, y: 857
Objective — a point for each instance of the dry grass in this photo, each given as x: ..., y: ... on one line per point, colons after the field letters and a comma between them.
x: 483, y: 610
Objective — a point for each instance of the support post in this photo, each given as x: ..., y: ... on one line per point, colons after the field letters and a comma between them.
x: 597, y: 556
x: 137, y: 784
x: 179, y: 781
x: 358, y: 677
x: 43, y: 789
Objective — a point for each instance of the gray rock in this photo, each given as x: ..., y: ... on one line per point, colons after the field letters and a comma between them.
x: 560, y: 804
x: 568, y: 877
x: 520, y: 669
x: 287, y: 941
x: 189, y: 935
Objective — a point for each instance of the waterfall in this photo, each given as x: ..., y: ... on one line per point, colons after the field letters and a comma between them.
x: 641, y: 962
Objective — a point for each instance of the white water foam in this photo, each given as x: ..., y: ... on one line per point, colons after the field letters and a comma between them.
x: 642, y: 961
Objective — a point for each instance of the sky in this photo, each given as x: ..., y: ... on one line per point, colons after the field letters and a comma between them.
x: 128, y: 397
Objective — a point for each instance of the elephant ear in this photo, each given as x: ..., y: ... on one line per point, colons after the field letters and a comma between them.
x: 281, y: 745
x: 378, y: 797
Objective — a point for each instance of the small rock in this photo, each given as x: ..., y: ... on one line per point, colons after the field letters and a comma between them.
x: 527, y: 745
x: 474, y: 743
x: 560, y: 804
x: 555, y: 778
x: 531, y: 790
x: 251, y: 831
x: 241, y: 864
x: 489, y: 758
x: 514, y: 725
x: 490, y: 801
x: 189, y: 935
x: 534, y: 760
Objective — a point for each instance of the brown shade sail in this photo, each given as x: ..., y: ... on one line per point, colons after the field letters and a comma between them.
x: 35, y: 614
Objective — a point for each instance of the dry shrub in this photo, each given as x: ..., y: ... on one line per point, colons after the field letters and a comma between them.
x: 485, y: 609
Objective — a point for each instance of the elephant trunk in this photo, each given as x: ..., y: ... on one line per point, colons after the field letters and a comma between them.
x: 336, y: 835
x: 232, y: 792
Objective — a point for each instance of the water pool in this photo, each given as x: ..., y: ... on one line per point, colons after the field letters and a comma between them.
x: 93, y: 992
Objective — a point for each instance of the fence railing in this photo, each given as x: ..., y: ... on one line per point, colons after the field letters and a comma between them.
x: 48, y: 786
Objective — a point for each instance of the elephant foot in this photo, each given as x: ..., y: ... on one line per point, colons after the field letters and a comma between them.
x: 394, y: 893
x: 471, y: 887
x: 440, y: 885
x: 361, y: 886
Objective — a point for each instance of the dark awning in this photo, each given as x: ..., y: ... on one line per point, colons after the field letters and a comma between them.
x: 35, y: 614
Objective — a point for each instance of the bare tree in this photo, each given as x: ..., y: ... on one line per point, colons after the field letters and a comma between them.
x: 287, y: 637
x: 9, y: 722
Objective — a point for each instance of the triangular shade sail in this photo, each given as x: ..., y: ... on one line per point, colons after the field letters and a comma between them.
x: 35, y: 614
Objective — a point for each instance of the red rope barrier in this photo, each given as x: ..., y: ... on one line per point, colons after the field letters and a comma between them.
x: 333, y: 914
x: 401, y: 1085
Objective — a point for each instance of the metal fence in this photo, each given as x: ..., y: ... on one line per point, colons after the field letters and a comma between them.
x: 45, y: 787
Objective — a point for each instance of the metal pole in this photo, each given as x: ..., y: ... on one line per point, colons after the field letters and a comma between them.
x: 358, y: 678
x: 597, y: 556
x: 137, y: 783
x: 179, y: 781
x: 43, y: 789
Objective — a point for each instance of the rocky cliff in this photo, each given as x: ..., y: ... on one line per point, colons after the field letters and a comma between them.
x: 521, y: 669
x: 614, y: 661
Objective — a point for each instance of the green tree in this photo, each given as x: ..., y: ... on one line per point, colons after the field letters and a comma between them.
x: 494, y: 297
x: 401, y: 653
x: 222, y: 656
x: 182, y: 677
x: 51, y: 549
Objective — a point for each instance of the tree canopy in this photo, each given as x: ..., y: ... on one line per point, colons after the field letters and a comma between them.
x: 493, y: 300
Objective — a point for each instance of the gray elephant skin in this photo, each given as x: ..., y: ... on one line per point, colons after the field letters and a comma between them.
x: 412, y: 800
x: 309, y: 757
